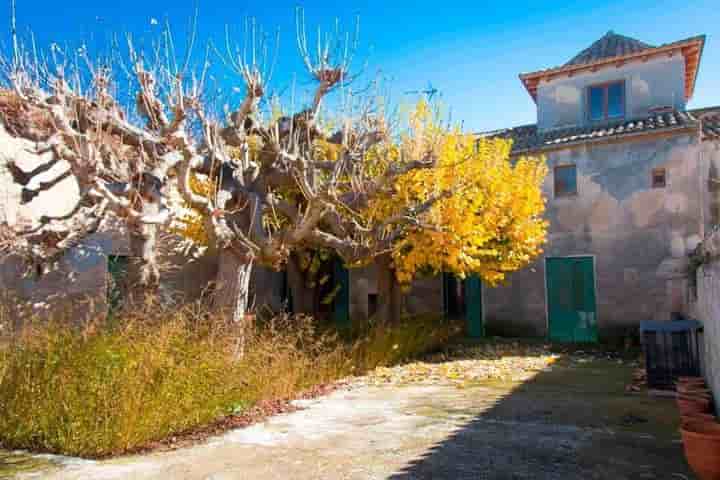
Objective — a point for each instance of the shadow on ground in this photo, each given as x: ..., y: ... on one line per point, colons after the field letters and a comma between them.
x: 572, y: 421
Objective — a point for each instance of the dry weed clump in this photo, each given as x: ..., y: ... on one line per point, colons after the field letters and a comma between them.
x: 147, y: 374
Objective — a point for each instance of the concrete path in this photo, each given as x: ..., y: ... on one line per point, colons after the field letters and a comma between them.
x: 570, y: 422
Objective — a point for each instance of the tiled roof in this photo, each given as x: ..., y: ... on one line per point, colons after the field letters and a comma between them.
x: 527, y: 138
x: 613, y: 49
x: 710, y: 118
x: 609, y: 46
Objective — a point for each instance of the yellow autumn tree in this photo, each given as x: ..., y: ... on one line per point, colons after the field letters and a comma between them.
x: 479, y: 211
x: 428, y: 199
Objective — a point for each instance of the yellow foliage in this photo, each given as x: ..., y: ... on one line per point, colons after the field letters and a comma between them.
x: 486, y: 213
x: 191, y: 224
x: 488, y: 220
x: 325, y: 150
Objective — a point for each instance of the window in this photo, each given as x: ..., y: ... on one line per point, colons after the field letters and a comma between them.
x: 658, y: 178
x: 565, y: 180
x: 606, y: 101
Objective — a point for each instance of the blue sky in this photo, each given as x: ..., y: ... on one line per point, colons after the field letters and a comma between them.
x: 470, y: 51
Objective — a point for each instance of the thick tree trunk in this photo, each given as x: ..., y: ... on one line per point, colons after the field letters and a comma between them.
x: 233, y: 285
x: 390, y: 297
x: 303, y: 297
x: 143, y: 271
x: 143, y: 276
x: 233, y: 292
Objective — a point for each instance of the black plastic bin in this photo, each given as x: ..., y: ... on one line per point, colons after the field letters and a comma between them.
x: 672, y: 350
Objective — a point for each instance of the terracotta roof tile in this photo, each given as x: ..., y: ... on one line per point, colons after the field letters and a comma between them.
x: 609, y: 46
x: 527, y: 138
x: 710, y: 118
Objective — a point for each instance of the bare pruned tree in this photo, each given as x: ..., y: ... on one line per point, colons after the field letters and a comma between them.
x: 64, y: 111
x: 276, y: 190
x: 277, y: 183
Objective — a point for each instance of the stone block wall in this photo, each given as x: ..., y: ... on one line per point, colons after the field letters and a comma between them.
x: 424, y: 295
x: 707, y: 310
x: 639, y: 236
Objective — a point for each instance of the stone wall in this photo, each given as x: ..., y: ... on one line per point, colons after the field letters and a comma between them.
x: 639, y: 236
x: 77, y: 287
x: 706, y: 299
x: 706, y: 308
x: 424, y: 296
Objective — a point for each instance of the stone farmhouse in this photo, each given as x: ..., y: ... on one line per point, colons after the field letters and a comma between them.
x: 630, y: 194
x: 634, y: 185
x: 630, y: 190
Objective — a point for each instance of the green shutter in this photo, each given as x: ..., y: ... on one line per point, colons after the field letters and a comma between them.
x: 473, y: 306
x: 341, y: 302
x: 466, y: 304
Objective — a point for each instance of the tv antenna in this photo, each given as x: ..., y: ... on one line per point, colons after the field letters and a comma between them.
x: 429, y: 92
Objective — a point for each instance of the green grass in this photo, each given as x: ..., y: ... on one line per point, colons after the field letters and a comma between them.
x: 107, y: 389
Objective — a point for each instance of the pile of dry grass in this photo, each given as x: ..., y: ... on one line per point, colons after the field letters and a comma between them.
x: 146, y: 375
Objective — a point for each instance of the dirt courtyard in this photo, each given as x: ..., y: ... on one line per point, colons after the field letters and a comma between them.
x: 559, y: 417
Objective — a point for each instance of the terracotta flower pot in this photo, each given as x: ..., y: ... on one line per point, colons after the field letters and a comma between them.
x: 698, y: 417
x: 701, y: 441
x: 693, y: 389
x: 691, y: 381
x: 693, y: 404
x: 696, y: 394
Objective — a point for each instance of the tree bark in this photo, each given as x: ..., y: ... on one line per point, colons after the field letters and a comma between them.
x: 303, y: 297
x: 233, y: 292
x: 143, y: 271
x: 390, y: 296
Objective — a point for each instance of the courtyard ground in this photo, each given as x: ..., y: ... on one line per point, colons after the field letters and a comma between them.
x: 485, y: 411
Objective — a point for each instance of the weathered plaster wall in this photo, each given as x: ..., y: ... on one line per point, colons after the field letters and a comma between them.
x: 75, y: 289
x: 706, y: 308
x: 710, y: 184
x: 77, y: 286
x: 266, y: 289
x: 424, y: 296
x: 658, y: 82
x: 638, y: 235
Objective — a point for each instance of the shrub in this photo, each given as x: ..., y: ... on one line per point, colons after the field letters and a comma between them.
x: 103, y: 392
x: 112, y: 387
x: 387, y: 345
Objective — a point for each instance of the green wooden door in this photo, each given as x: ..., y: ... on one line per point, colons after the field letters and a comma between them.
x: 341, y: 302
x: 473, y: 306
x: 571, y: 299
x: 462, y: 299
